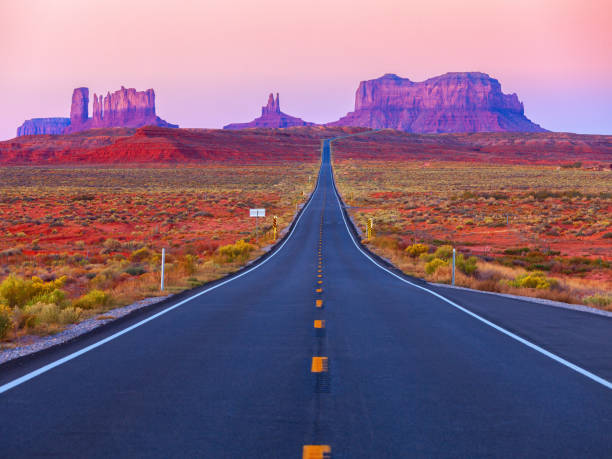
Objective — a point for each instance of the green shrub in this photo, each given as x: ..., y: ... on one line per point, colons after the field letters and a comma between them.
x: 433, y: 265
x: 69, y: 315
x: 18, y: 292
x: 600, y: 301
x: 427, y: 257
x: 536, y: 279
x: 444, y: 252
x: 466, y: 265
x: 56, y: 296
x: 415, y: 250
x: 5, y: 320
x: 239, y: 251
x: 92, y: 299
x: 135, y: 270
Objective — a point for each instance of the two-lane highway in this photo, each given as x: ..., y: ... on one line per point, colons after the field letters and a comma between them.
x: 319, y: 349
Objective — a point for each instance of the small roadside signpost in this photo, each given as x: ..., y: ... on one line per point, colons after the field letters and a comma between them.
x: 257, y: 213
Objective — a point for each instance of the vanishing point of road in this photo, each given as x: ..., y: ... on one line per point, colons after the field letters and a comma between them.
x: 321, y: 349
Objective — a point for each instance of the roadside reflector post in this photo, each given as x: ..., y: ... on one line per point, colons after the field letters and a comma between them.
x: 163, y: 262
x: 454, y: 251
x: 369, y: 226
x: 275, y: 226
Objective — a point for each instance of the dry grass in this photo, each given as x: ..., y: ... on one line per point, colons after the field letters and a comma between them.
x: 558, y: 223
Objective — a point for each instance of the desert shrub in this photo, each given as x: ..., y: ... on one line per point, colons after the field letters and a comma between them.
x: 92, y: 299
x: 444, y: 252
x: 69, y: 315
x: 141, y: 255
x: 433, y: 265
x: 55, y: 296
x: 385, y: 242
x: 189, y: 264
x: 517, y: 251
x: 43, y: 312
x: 599, y: 301
x: 5, y: 320
x: 607, y: 236
x: 111, y: 245
x: 535, y: 279
x: 427, y: 257
x: 104, y: 279
x: 239, y: 251
x: 466, y: 265
x: 18, y: 292
x: 135, y: 270
x: 416, y: 250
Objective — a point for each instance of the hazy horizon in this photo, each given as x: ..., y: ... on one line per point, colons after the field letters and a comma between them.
x: 215, y: 63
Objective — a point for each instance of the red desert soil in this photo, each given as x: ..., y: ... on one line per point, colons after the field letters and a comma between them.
x: 152, y: 144
x: 190, y: 146
x: 490, y: 147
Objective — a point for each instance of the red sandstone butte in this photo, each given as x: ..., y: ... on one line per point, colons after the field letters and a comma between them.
x: 271, y: 117
x: 122, y: 108
x: 453, y: 102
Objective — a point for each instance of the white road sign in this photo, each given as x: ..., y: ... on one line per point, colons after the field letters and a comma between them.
x: 257, y: 212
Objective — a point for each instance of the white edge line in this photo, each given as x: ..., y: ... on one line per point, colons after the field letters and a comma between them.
x: 529, y: 344
x: 56, y: 363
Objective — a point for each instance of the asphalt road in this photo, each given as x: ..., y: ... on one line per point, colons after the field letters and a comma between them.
x: 408, y: 374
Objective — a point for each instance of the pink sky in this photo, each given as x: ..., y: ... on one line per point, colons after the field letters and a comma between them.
x: 212, y: 62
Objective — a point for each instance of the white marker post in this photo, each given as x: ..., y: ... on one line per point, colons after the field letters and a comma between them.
x: 453, y: 266
x: 257, y: 213
x: 163, y: 262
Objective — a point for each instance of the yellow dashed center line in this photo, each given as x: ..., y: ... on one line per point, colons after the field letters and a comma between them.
x: 319, y: 365
x: 316, y: 452
x: 319, y: 303
x: 319, y: 290
x: 319, y: 324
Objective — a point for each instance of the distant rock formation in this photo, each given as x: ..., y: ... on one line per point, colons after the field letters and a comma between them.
x: 453, y: 102
x: 79, y: 108
x: 37, y: 126
x: 271, y: 117
x: 123, y: 108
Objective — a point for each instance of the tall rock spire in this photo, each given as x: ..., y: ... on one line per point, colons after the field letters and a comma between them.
x: 271, y: 117
x: 79, y: 109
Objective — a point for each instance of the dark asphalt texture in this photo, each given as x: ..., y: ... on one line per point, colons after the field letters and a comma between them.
x: 228, y: 374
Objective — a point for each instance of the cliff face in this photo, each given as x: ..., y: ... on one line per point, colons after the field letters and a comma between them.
x: 453, y: 102
x: 37, y: 126
x: 123, y: 108
x: 271, y: 117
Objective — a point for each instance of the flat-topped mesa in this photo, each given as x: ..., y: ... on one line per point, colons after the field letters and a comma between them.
x: 122, y: 108
x: 40, y: 126
x: 271, y: 117
x: 453, y: 102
